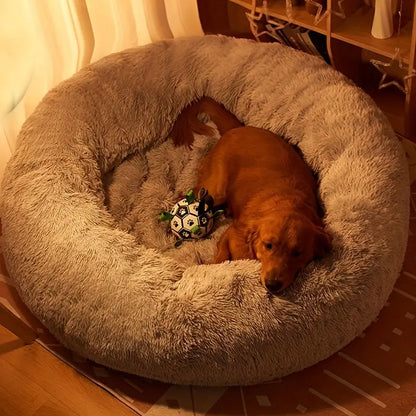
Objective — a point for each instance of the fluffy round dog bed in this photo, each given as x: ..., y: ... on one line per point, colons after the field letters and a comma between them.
x: 93, y: 168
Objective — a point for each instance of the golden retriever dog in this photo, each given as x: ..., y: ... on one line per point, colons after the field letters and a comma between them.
x: 268, y: 189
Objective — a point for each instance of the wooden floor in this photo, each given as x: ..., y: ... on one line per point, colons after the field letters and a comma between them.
x: 33, y: 382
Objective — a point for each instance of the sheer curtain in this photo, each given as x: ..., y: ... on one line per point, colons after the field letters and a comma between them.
x: 43, y: 42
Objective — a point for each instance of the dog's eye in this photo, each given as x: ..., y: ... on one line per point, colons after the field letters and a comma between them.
x: 268, y: 246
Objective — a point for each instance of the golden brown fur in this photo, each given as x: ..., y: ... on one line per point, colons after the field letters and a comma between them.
x: 268, y: 189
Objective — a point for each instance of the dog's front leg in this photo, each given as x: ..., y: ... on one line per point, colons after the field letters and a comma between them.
x: 233, y: 246
x: 223, y: 253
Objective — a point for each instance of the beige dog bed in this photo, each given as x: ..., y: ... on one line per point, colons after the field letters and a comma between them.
x: 93, y: 168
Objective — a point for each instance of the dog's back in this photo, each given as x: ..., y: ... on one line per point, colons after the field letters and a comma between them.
x: 249, y: 161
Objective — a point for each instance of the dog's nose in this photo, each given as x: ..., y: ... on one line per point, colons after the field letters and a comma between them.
x: 273, y: 286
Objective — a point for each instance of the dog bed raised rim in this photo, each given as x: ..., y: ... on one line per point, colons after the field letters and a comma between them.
x: 133, y: 308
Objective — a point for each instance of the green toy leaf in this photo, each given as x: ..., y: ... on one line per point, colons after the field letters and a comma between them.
x: 218, y: 212
x: 196, y: 230
x: 190, y: 197
x: 165, y: 216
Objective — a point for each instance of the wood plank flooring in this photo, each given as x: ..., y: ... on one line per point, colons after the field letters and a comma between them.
x: 33, y: 382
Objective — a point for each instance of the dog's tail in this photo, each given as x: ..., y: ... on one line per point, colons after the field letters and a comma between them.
x: 189, y: 122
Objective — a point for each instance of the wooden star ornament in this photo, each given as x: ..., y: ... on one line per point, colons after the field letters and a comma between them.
x: 340, y: 12
x: 396, y: 68
x: 272, y: 25
x: 319, y: 16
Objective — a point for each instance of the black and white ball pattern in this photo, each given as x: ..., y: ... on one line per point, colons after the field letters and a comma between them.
x: 187, y: 224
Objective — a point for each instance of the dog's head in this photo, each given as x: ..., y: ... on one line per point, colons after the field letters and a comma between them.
x: 285, y: 244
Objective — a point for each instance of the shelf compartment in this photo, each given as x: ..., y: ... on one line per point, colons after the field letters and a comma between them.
x: 301, y: 17
x: 390, y: 99
x: 356, y: 29
x: 392, y: 102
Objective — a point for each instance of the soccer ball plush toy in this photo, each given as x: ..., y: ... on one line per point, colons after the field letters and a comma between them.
x: 191, y: 218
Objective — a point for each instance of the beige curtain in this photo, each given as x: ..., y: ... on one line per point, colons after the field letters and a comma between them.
x: 43, y: 42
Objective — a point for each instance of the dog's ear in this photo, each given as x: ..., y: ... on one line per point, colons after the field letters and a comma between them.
x: 323, y: 242
x: 251, y: 234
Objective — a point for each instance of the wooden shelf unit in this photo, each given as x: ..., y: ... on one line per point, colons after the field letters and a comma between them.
x: 347, y: 41
x: 300, y: 16
x: 356, y: 30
